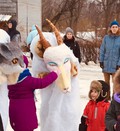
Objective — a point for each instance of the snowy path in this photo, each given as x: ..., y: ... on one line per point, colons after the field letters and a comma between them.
x: 87, y: 74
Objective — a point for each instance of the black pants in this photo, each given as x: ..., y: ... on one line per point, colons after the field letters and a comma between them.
x: 1, y: 125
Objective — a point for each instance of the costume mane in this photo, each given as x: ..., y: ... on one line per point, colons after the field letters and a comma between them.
x: 60, y: 101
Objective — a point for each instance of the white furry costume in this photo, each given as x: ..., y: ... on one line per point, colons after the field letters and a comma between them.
x: 4, y: 38
x: 11, y: 64
x: 59, y: 111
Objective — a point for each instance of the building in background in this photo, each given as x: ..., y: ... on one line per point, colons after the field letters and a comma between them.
x: 26, y: 13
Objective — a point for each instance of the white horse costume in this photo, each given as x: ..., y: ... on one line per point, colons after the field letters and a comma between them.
x: 8, y: 52
x: 60, y: 101
x: 4, y: 38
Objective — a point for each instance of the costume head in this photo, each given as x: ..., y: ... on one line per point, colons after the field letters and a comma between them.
x: 102, y: 88
x: 57, y: 57
x: 69, y: 30
x: 114, y: 23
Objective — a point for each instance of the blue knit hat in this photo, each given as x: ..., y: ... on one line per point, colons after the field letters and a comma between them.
x: 114, y: 23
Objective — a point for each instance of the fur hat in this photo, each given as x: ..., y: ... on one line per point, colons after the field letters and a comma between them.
x: 116, y: 82
x: 25, y: 59
x: 102, y: 87
x: 68, y: 29
x: 114, y: 23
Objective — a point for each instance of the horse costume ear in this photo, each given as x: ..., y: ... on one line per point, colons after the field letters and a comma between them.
x: 5, y: 53
x: 42, y: 44
x: 57, y: 33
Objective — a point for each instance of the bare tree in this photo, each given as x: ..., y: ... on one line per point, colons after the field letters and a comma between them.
x: 63, y: 12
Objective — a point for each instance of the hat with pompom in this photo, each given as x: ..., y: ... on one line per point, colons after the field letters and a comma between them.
x: 114, y: 23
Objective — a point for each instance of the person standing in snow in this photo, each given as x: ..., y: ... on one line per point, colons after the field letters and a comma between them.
x: 69, y: 40
x: 95, y: 110
x: 110, y: 52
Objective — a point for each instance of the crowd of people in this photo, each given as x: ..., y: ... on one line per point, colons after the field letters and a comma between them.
x: 101, y: 113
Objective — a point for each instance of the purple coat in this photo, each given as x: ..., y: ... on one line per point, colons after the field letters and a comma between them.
x: 22, y: 110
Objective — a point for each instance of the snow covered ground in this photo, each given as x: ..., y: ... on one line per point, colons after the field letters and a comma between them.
x: 87, y: 74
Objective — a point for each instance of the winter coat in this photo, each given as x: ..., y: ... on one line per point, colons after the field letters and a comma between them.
x: 31, y: 35
x: 13, y: 32
x: 111, y: 115
x: 22, y: 110
x: 73, y: 45
x: 95, y: 115
x: 110, y: 53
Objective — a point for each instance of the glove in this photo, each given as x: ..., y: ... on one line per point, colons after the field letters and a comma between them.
x: 74, y: 70
x: 118, y: 126
x: 117, y: 67
x: 42, y: 74
x: 82, y: 125
x: 101, y: 65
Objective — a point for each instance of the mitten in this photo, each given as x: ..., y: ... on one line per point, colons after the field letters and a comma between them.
x: 83, y: 126
x: 74, y: 70
x: 42, y: 74
x: 101, y: 65
x: 117, y: 67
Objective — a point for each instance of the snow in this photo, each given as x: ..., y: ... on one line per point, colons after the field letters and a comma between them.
x: 87, y: 74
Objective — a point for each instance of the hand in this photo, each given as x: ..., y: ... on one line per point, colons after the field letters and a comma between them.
x: 118, y: 123
x: 118, y: 126
x: 102, y: 65
x: 74, y: 70
x: 42, y: 74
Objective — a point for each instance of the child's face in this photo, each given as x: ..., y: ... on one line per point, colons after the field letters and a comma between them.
x: 94, y: 94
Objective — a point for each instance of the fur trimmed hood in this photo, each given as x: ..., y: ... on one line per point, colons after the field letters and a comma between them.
x: 102, y: 87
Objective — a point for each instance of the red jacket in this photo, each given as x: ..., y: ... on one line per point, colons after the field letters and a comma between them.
x: 95, y: 114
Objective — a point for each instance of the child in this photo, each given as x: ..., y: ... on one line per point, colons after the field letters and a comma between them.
x: 22, y: 110
x: 112, y: 118
x: 94, y: 112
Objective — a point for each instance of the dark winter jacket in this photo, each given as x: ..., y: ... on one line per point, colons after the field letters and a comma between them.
x: 13, y: 33
x: 112, y: 114
x: 93, y: 116
x: 73, y: 45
